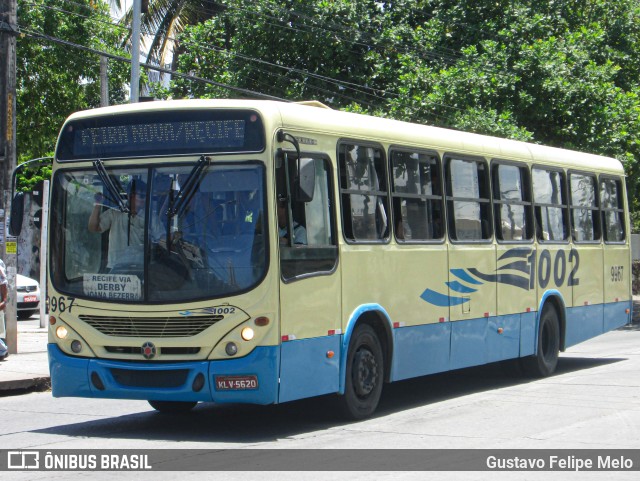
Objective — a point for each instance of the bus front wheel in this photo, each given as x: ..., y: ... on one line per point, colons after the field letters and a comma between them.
x: 173, y: 407
x: 544, y: 362
x: 364, y: 374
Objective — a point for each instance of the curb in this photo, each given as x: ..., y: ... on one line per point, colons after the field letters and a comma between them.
x: 36, y: 383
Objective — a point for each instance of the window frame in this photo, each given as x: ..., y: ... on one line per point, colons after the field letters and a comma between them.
x: 328, y: 163
x: 596, y: 211
x: 384, y: 194
x: 620, y: 209
x: 426, y: 197
x: 527, y: 203
x: 451, y: 199
x: 566, y: 221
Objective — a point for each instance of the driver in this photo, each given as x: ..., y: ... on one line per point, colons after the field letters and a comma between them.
x: 126, y: 229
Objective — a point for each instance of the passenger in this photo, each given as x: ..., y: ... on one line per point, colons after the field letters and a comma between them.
x: 299, y: 232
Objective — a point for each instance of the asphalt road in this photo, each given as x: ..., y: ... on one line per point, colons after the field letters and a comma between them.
x: 593, y: 402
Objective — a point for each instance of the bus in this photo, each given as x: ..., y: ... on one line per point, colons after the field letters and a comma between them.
x: 242, y: 251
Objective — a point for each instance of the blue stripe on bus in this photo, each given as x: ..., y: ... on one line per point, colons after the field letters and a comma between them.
x: 442, y: 300
x: 616, y: 315
x: 306, y: 370
x: 439, y: 347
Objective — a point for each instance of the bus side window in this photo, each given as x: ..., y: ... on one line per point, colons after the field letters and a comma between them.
x: 611, y: 203
x: 512, y: 202
x: 417, y: 196
x: 585, y: 220
x: 549, y: 195
x: 363, y: 189
x: 314, y: 248
x: 468, y: 199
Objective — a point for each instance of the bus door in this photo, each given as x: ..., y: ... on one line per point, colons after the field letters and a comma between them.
x: 472, y: 259
x: 310, y: 286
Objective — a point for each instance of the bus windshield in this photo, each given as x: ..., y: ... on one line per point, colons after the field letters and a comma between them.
x: 170, y: 233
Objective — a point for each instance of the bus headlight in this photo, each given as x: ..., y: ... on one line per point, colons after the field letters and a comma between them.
x: 247, y: 334
x: 62, y: 332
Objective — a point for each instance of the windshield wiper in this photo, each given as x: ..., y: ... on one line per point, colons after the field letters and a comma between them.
x: 114, y: 188
x: 179, y: 203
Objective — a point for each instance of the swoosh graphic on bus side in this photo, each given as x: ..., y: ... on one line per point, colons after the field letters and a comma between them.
x: 474, y: 277
x: 517, y: 266
x: 517, y: 252
x: 442, y: 300
x: 509, y: 279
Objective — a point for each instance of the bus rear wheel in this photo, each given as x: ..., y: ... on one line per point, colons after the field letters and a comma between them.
x: 544, y: 362
x: 364, y: 374
x: 173, y: 407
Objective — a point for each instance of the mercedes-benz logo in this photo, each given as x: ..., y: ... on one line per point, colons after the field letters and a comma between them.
x: 148, y: 350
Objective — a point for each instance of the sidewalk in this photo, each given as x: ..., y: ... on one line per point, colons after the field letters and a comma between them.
x: 30, y: 368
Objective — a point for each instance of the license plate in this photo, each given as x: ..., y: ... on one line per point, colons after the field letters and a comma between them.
x: 236, y: 383
x: 30, y: 298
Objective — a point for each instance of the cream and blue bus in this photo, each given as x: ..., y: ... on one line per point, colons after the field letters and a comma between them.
x: 240, y: 251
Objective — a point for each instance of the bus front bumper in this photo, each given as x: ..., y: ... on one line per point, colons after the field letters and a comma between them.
x: 171, y: 381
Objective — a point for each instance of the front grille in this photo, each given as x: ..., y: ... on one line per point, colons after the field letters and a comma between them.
x: 174, y: 351
x: 27, y: 288
x: 158, y: 379
x: 151, y: 326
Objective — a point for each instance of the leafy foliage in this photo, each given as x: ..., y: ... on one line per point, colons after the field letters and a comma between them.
x: 562, y: 73
x: 55, y: 80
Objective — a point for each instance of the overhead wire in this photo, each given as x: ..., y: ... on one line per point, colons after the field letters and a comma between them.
x: 361, y: 89
x: 340, y: 84
x: 244, y: 91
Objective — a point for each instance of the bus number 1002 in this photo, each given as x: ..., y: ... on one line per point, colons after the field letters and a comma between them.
x: 556, y: 268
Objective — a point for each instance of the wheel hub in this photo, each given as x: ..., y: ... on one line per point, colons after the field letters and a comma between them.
x: 366, y: 372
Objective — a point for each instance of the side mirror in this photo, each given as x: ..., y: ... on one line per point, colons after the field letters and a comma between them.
x: 17, y: 213
x: 305, y: 181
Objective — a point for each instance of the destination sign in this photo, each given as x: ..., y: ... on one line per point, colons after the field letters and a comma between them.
x: 124, y: 287
x: 161, y: 133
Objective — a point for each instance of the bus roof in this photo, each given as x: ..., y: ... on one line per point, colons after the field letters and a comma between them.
x: 315, y: 117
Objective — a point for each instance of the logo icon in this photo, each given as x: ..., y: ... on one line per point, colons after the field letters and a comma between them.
x: 148, y: 350
x: 23, y: 460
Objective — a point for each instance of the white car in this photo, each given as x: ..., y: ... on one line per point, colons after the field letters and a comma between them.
x: 28, y: 292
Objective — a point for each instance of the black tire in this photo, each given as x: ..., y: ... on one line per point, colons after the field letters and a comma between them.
x: 544, y: 362
x: 364, y: 374
x: 173, y: 407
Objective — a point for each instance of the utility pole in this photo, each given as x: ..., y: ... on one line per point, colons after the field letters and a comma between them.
x: 104, y: 81
x: 135, y: 52
x: 8, y: 246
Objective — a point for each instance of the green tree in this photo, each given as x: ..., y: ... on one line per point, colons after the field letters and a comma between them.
x: 562, y: 72
x: 54, y: 80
